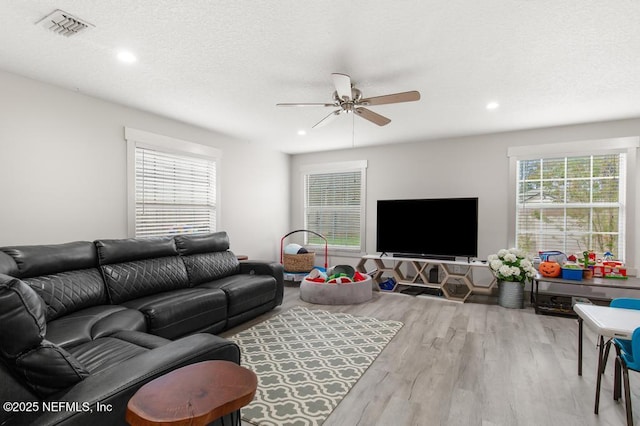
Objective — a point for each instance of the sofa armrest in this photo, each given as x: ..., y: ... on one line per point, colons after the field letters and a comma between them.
x: 274, y: 269
x: 112, y: 388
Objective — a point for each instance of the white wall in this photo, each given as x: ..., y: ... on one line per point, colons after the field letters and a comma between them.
x: 463, y: 167
x: 63, y: 171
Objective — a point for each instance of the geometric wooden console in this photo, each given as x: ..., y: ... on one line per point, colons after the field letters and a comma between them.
x: 456, y: 278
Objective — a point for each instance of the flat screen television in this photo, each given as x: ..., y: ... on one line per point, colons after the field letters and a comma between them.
x: 440, y: 228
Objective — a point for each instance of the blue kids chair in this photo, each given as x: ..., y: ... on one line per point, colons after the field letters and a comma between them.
x: 620, y: 344
x: 626, y: 362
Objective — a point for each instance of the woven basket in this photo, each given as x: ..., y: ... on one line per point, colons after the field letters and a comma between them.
x: 298, y: 262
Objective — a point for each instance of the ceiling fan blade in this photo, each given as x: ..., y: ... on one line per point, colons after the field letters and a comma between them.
x: 373, y: 117
x: 343, y: 85
x: 327, y: 119
x: 392, y: 99
x: 307, y: 105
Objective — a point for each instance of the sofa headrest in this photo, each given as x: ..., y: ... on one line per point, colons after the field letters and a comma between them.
x: 194, y: 244
x: 130, y: 249
x: 43, y: 366
x: 22, y: 317
x: 8, y: 265
x: 34, y: 261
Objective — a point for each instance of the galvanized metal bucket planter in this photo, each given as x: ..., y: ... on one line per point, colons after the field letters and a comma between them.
x: 511, y: 294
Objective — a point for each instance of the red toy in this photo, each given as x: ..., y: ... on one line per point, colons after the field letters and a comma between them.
x: 610, y: 269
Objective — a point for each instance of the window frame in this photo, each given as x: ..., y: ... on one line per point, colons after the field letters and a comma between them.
x: 142, y: 139
x: 337, y: 167
x: 626, y: 145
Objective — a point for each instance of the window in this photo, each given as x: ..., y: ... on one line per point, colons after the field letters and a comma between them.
x: 172, y: 186
x: 334, y: 204
x: 571, y: 204
x: 575, y: 196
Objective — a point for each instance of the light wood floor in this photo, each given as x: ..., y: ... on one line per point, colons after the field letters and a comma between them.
x: 473, y: 364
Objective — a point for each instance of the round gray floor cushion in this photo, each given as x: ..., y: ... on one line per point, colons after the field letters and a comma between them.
x: 336, y: 294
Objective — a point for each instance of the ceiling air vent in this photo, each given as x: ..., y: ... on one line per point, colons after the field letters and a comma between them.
x: 63, y: 23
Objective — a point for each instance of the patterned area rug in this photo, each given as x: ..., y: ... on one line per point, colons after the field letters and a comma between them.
x: 306, y: 362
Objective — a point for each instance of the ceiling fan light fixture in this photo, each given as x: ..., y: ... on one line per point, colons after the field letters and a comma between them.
x: 493, y: 105
x: 302, y: 132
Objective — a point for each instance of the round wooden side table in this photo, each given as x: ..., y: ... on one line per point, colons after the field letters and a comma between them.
x: 196, y: 394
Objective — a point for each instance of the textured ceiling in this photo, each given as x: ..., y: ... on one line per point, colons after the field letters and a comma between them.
x: 223, y: 65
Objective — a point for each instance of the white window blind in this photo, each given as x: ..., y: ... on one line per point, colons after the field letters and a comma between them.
x: 174, y: 194
x: 333, y: 207
x: 571, y: 204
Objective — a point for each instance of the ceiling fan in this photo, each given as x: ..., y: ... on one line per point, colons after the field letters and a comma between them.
x: 348, y: 99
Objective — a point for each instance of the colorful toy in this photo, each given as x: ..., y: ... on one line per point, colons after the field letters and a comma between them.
x: 317, y: 276
x: 609, y: 268
x: 359, y: 277
x: 341, y: 274
x: 342, y: 269
x: 588, y: 258
x: 340, y: 279
x: 552, y: 256
x: 294, y: 248
x: 388, y: 284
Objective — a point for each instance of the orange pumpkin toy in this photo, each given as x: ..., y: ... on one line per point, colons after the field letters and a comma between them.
x: 550, y: 269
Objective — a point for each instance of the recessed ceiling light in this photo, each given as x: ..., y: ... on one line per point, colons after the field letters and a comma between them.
x: 302, y: 132
x: 126, y: 57
x: 493, y: 105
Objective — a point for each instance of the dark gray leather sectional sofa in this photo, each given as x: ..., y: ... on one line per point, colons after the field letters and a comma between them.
x: 84, y: 323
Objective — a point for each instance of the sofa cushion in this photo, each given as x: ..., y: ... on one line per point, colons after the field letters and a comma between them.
x: 48, y: 368
x: 22, y: 323
x: 134, y: 268
x: 7, y: 265
x: 106, y: 352
x: 42, y: 365
x: 64, y: 275
x: 207, y: 257
x: 177, y: 313
x: 207, y: 243
x: 33, y: 261
x: 245, y: 292
x: 69, y: 291
x: 93, y: 323
x: 205, y: 267
x: 117, y: 384
x: 131, y: 280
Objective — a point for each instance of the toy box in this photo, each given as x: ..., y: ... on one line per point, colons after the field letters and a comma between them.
x: 572, y: 274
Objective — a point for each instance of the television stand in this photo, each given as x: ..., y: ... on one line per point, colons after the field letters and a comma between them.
x: 457, y: 283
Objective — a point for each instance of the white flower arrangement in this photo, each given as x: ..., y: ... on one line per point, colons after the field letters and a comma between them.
x: 512, y: 265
